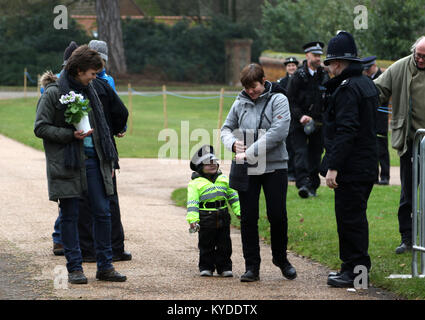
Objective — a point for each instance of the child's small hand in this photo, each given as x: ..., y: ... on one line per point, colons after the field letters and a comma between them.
x: 194, y: 227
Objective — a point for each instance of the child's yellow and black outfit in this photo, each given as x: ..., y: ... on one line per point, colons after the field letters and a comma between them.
x: 207, y: 199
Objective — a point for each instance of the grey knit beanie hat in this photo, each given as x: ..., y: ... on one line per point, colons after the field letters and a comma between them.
x: 101, y: 47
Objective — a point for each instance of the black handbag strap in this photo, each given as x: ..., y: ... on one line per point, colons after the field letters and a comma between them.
x: 262, y: 115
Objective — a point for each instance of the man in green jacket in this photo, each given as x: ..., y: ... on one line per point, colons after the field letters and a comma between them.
x: 404, y: 81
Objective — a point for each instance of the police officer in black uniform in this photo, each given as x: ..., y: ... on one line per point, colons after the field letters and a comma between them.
x: 373, y: 71
x: 291, y: 64
x: 350, y: 162
x: 305, y: 94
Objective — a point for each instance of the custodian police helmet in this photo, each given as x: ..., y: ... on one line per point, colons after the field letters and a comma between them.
x: 203, y: 156
x: 342, y: 47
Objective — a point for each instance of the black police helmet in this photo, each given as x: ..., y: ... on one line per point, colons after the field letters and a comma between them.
x: 342, y: 47
x: 203, y: 156
x: 291, y: 60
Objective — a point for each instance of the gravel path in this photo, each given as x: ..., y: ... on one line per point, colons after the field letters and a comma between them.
x: 165, y: 255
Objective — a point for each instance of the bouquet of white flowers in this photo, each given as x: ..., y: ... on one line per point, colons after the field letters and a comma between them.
x: 77, y: 107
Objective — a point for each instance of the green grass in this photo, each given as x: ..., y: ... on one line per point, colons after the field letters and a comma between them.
x: 312, y: 233
x: 18, y: 121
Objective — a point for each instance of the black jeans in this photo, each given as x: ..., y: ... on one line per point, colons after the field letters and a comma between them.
x: 353, y: 229
x: 405, y: 207
x: 384, y: 157
x: 308, y: 152
x: 85, y: 225
x: 275, y: 186
x: 215, y: 245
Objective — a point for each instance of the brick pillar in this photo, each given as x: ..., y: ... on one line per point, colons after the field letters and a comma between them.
x: 238, y: 55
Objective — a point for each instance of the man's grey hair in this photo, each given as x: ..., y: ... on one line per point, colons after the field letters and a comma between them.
x: 413, y: 48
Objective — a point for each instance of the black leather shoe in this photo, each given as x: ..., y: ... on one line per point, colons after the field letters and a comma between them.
x: 303, y: 192
x: 250, y: 276
x: 312, y: 193
x: 110, y: 275
x: 333, y: 274
x: 58, y: 249
x: 343, y: 280
x: 77, y: 277
x: 124, y: 256
x: 288, y: 271
x: 384, y: 182
x: 403, y: 247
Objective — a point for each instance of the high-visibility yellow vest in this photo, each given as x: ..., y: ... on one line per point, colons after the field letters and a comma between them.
x: 201, y: 190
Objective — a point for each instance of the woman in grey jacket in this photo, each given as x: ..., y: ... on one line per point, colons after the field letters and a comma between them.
x: 262, y: 117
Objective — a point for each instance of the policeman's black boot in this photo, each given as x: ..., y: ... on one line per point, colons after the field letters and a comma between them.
x: 250, y: 276
x: 341, y: 280
x: 288, y: 271
x: 403, y: 247
x: 303, y: 192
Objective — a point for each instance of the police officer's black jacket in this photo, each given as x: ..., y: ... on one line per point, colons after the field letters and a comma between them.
x: 349, y: 126
x: 382, y: 115
x: 305, y: 94
x: 283, y: 84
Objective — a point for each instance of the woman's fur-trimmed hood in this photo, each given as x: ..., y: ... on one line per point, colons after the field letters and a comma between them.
x: 47, y: 78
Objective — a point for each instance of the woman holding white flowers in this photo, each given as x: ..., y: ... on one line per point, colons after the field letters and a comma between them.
x: 78, y: 161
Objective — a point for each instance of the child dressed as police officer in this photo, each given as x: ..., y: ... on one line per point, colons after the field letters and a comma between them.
x: 207, y: 197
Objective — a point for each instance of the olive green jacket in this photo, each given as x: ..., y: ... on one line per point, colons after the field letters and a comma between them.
x: 395, y: 82
x: 50, y: 126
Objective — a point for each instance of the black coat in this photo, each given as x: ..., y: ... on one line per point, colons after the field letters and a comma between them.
x: 306, y: 94
x: 116, y: 113
x: 283, y: 83
x: 349, y: 126
x: 382, y: 115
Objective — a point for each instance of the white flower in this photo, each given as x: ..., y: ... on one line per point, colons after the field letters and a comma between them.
x: 64, y: 99
x: 71, y: 97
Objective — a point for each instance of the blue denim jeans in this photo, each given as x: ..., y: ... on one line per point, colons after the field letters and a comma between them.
x: 56, y: 235
x: 99, y: 203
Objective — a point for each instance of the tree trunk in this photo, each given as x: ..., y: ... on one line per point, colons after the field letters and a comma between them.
x: 109, y: 30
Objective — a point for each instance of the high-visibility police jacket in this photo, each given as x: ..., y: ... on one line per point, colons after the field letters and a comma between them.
x: 201, y: 191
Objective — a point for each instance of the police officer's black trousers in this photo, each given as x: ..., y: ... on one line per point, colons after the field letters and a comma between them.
x: 353, y: 230
x: 275, y: 186
x: 308, y: 152
x: 85, y: 226
x: 405, y: 207
x: 215, y: 245
x: 384, y: 157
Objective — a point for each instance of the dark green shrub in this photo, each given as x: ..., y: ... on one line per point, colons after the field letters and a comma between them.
x: 185, y: 51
